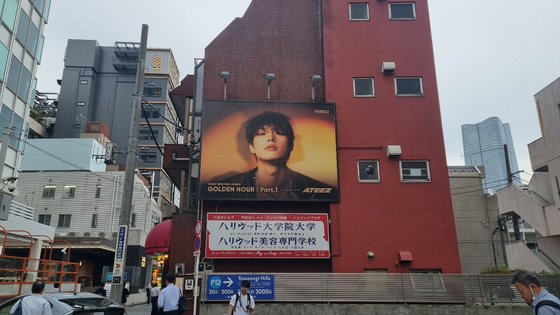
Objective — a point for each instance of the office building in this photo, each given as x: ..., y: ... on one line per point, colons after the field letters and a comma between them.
x: 21, y: 45
x: 483, y: 145
x: 98, y: 83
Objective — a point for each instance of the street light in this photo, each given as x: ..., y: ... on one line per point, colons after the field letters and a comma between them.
x: 269, y: 77
x: 225, y: 75
x: 314, y: 78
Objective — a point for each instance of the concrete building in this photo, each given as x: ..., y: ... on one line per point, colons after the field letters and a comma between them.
x: 375, y: 63
x: 538, y: 203
x: 21, y: 45
x: 481, y: 240
x: 98, y: 83
x: 74, y: 195
x: 483, y: 144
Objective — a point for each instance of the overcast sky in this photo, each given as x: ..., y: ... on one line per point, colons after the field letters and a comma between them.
x: 491, y: 56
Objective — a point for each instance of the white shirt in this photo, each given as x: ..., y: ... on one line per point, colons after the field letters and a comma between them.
x: 169, y: 298
x: 241, y: 307
x: 154, y: 292
x: 33, y: 304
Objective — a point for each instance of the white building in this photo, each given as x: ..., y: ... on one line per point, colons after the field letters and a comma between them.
x: 538, y: 204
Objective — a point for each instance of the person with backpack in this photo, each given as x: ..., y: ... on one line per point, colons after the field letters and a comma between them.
x: 33, y: 304
x: 529, y: 287
x: 168, y: 299
x: 242, y: 303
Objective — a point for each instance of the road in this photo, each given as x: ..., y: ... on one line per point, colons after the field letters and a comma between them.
x: 142, y: 309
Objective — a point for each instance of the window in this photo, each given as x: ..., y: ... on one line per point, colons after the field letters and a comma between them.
x: 45, y: 219
x: 40, y: 5
x: 68, y: 191
x: 32, y: 39
x: 24, y: 83
x: 133, y: 220
x: 147, y: 157
x: 409, y: 86
x: 146, y: 134
x: 17, y: 123
x: 98, y: 191
x: 13, y: 73
x: 152, y: 91
x: 150, y: 112
x: 363, y: 87
x: 359, y: 11
x: 23, y: 27
x: 402, y: 11
x: 3, y: 60
x: 94, y: 220
x: 40, y: 52
x: 415, y: 171
x: 64, y: 220
x: 48, y: 191
x: 9, y: 14
x: 368, y: 171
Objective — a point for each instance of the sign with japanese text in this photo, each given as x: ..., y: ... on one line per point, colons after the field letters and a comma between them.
x: 268, y: 151
x: 222, y: 287
x: 267, y: 235
x: 118, y: 266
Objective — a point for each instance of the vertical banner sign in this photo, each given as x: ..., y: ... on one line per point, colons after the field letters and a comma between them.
x: 118, y: 267
x: 267, y: 235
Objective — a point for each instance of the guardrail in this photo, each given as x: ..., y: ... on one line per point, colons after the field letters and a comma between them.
x: 17, y: 274
x: 397, y: 288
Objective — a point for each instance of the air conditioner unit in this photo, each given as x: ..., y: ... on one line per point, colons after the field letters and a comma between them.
x: 86, y: 234
x: 388, y: 67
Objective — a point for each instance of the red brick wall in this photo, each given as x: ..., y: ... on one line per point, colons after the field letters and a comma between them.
x: 281, y: 37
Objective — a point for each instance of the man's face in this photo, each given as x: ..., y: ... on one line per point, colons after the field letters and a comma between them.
x: 526, y: 291
x: 244, y: 290
x: 269, y: 144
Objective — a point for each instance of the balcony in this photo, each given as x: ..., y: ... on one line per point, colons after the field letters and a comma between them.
x: 537, y: 154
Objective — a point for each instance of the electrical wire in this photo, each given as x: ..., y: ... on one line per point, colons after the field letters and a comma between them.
x: 151, y: 130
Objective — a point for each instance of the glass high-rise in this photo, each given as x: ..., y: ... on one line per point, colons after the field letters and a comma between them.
x: 21, y: 44
x: 483, y: 144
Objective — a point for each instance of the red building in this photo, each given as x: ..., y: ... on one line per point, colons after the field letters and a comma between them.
x: 376, y: 62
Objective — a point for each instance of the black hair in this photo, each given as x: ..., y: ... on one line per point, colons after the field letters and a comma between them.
x: 246, y: 284
x: 56, y: 284
x: 525, y: 278
x: 277, y: 121
x: 154, y: 285
x: 38, y: 286
x: 170, y: 277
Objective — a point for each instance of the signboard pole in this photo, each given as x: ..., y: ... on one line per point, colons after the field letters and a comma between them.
x: 198, y: 229
x: 129, y: 175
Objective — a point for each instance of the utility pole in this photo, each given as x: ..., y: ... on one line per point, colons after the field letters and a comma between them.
x: 131, y: 162
x: 508, y: 166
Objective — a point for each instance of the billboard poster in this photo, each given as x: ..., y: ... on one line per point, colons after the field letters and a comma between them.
x: 267, y: 235
x: 268, y: 151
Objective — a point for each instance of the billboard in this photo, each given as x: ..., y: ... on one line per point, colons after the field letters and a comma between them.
x: 268, y: 151
x: 267, y: 235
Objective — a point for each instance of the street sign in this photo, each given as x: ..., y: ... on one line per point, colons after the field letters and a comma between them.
x: 222, y: 287
x: 116, y: 280
x: 198, y: 228
x: 109, y: 276
x: 196, y: 253
x: 197, y: 243
x: 118, y: 265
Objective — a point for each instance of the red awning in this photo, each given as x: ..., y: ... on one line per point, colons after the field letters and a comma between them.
x: 159, y: 238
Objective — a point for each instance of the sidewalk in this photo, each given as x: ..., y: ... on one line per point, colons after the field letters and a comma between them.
x: 141, y: 309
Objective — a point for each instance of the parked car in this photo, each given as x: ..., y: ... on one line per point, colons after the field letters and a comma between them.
x: 73, y: 303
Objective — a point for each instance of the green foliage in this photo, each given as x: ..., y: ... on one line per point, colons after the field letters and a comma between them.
x: 36, y: 115
x: 500, y: 270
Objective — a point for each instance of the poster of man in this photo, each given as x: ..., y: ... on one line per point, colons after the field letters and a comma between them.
x: 268, y: 151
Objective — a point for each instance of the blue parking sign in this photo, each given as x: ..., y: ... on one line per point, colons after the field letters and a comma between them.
x: 222, y: 287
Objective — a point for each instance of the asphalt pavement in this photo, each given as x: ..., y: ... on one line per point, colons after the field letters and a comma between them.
x: 142, y: 309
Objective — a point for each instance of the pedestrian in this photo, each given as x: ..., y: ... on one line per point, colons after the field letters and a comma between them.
x: 148, y: 295
x: 56, y: 288
x: 125, y: 294
x: 529, y: 287
x: 168, y: 299
x: 241, y: 302
x: 101, y: 291
x: 154, y: 294
x: 34, y: 304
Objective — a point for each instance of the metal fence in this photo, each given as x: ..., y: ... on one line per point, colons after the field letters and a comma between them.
x: 397, y: 288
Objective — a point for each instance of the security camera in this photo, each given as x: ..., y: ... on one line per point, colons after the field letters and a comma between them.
x: 370, y: 255
x: 12, y: 187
